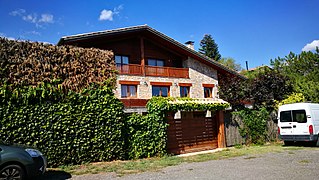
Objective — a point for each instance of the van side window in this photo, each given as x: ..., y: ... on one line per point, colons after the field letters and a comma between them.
x: 285, y: 116
x: 299, y: 116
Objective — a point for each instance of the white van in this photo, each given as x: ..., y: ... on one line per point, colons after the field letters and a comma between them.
x: 298, y: 122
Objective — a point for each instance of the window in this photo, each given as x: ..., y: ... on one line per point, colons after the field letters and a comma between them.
x: 160, y: 91
x: 155, y: 62
x: 208, y: 92
x: 121, y: 60
x: 128, y: 91
x: 184, y: 90
x: 298, y: 116
x: 285, y: 116
x: 122, y: 63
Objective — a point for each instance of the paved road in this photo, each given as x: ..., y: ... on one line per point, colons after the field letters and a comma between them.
x: 288, y: 165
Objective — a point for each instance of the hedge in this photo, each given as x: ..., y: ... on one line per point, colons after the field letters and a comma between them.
x: 81, y: 129
x: 72, y: 68
x: 60, y: 100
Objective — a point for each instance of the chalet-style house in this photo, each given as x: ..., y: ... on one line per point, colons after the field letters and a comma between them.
x: 153, y: 64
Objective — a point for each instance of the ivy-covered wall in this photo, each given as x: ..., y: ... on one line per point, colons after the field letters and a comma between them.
x: 60, y: 100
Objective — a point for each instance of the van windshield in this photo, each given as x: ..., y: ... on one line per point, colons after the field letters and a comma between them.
x: 298, y: 116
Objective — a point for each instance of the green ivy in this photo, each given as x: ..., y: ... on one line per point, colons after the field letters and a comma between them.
x: 83, y: 127
x: 146, y: 136
x: 254, y: 127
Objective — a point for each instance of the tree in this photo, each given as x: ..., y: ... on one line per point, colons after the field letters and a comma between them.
x: 263, y: 89
x: 230, y: 63
x: 209, y: 48
x: 303, y: 72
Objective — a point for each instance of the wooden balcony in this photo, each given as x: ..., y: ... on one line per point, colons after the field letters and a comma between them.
x: 130, y: 69
x: 136, y: 69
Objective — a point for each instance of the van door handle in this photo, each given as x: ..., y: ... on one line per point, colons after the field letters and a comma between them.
x: 294, y: 126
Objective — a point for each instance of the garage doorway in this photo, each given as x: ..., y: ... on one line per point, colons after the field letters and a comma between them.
x: 192, y: 133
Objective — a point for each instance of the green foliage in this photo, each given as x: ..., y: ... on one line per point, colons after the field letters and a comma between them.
x: 83, y: 127
x: 160, y: 105
x: 264, y: 88
x: 60, y: 100
x: 293, y: 98
x: 146, y: 136
x: 230, y: 63
x: 303, y: 72
x: 254, y: 125
x: 209, y: 48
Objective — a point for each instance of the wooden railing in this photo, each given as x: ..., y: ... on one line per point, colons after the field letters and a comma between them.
x: 136, y: 69
x: 166, y: 71
x: 131, y: 69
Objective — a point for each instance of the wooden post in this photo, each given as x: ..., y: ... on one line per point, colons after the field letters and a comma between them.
x: 142, y: 55
x: 221, y: 129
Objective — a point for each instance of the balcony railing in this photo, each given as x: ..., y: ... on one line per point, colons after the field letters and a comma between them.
x: 131, y: 69
x: 135, y: 69
x: 166, y: 71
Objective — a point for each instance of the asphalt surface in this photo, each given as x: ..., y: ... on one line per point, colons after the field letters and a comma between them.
x: 288, y: 165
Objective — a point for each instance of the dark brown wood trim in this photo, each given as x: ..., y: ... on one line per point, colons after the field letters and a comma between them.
x: 209, y: 85
x: 142, y: 55
x: 185, y: 84
x: 129, y: 82
x: 221, y: 129
x: 161, y: 83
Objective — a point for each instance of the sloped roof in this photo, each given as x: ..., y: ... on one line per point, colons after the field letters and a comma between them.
x: 153, y: 31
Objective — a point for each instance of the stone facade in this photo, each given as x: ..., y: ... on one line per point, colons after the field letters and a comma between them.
x: 199, y: 74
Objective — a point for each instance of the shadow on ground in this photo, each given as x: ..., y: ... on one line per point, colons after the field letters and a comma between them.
x: 55, y: 175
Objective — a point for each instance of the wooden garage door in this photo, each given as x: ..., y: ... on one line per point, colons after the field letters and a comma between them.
x: 193, y: 132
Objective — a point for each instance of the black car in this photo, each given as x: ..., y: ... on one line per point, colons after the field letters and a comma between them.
x: 20, y: 163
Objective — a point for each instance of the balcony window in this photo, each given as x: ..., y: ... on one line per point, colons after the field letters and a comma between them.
x: 121, y: 60
x: 184, y: 90
x: 128, y: 91
x: 122, y: 63
x: 160, y: 91
x: 156, y: 62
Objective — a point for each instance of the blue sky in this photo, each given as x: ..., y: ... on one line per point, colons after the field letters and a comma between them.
x: 246, y: 30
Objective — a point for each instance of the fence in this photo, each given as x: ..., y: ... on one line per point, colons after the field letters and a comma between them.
x: 233, y: 124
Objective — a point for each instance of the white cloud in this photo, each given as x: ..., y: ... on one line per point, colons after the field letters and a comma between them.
x: 30, y: 18
x: 33, y: 33
x: 18, y: 12
x: 106, y: 15
x: 33, y: 17
x: 46, y: 18
x: 311, y: 46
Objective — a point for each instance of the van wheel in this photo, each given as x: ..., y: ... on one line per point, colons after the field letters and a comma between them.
x: 288, y: 143
x: 12, y: 172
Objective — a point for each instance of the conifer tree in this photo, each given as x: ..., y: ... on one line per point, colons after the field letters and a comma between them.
x: 209, y: 48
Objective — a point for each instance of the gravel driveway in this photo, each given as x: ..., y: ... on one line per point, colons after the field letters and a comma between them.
x: 290, y: 164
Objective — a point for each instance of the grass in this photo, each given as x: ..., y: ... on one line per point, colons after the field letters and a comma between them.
x: 304, y: 161
x: 157, y: 163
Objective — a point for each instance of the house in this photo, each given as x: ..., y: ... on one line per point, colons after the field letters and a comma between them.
x: 153, y: 64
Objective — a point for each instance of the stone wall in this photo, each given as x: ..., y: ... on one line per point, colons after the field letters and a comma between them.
x: 199, y: 74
